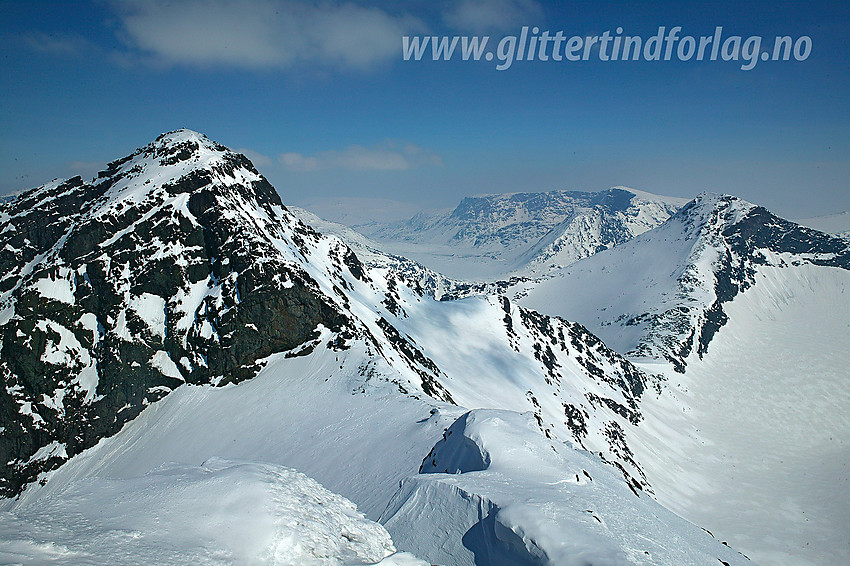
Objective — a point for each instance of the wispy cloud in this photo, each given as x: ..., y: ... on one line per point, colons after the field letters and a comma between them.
x: 492, y: 15
x: 258, y: 159
x: 277, y: 34
x: 392, y: 156
x: 261, y: 34
x: 57, y: 44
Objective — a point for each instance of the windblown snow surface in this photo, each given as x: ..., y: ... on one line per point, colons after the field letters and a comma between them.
x: 753, y: 442
x: 218, y: 512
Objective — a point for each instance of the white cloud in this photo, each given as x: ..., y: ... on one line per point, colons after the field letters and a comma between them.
x: 58, y: 44
x: 258, y: 159
x: 392, y: 156
x: 488, y: 15
x: 259, y: 34
x: 298, y: 162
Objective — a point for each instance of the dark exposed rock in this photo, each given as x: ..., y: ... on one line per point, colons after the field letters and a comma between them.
x: 253, y: 303
x: 417, y: 361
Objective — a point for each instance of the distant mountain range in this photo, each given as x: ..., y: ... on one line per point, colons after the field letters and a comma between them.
x: 522, y: 234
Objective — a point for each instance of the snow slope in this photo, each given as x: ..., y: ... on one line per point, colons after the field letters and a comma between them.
x: 554, y: 504
x: 762, y: 447
x: 572, y: 510
x: 661, y: 295
x: 219, y: 512
x: 749, y: 436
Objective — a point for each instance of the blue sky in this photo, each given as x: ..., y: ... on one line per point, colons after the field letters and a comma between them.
x: 317, y: 94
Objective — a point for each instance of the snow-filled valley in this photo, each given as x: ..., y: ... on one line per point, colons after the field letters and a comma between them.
x: 195, y: 374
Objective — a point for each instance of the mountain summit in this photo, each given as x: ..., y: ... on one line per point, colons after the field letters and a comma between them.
x: 688, y: 269
x: 177, y: 264
x: 746, y: 315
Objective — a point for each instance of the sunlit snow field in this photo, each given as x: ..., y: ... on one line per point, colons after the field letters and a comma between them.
x: 768, y: 469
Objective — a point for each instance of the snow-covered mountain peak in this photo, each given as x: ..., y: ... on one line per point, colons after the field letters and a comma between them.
x: 714, y: 211
x: 689, y: 267
x: 178, y: 265
x: 138, y: 281
x: 752, y: 235
x: 175, y: 165
x: 185, y: 135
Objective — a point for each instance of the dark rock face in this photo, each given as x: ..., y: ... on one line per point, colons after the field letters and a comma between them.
x: 139, y: 294
x: 613, y: 200
x: 762, y: 230
x: 427, y: 370
x: 567, y: 351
